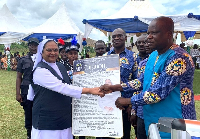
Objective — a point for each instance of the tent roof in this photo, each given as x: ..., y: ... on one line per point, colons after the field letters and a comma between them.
x: 11, y: 30
x: 127, y: 17
x: 59, y: 25
x: 181, y: 22
x: 142, y: 8
x: 135, y: 16
x: 60, y: 22
x: 8, y: 22
x: 129, y: 25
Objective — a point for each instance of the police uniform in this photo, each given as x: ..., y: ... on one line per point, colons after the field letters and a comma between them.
x: 25, y: 66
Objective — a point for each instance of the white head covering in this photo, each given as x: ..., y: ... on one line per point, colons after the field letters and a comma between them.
x: 38, y: 59
x: 39, y: 52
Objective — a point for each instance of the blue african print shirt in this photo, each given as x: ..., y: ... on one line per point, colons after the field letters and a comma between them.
x: 166, y: 87
x: 128, y: 69
x: 141, y: 69
x: 139, y: 58
x: 142, y: 63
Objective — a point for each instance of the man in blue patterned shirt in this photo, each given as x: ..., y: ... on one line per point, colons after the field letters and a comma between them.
x: 128, y: 72
x: 137, y: 111
x: 167, y: 81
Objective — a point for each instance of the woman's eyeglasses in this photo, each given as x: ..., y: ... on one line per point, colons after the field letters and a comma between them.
x: 51, y: 50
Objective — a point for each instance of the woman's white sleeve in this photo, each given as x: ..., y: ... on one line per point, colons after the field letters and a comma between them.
x: 45, y: 78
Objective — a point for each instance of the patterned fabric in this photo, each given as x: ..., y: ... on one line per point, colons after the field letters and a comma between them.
x: 140, y: 70
x: 154, y: 78
x: 186, y: 96
x: 127, y: 86
x: 171, y: 94
x: 175, y: 75
x: 137, y: 62
x: 135, y: 84
x: 128, y: 71
x: 176, y: 67
x: 150, y: 97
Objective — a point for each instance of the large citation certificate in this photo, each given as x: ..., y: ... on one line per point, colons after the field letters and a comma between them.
x: 93, y: 115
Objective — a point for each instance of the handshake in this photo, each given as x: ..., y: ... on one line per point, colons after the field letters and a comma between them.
x: 106, y: 89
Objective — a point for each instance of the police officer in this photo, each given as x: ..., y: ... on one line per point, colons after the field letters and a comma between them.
x: 24, y: 71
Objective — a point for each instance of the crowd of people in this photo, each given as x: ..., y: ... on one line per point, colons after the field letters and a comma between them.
x: 155, y: 82
x: 13, y: 60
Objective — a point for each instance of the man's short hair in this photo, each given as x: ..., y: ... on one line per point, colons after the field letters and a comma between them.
x: 168, y: 23
x: 33, y: 40
x: 124, y: 33
x: 100, y: 41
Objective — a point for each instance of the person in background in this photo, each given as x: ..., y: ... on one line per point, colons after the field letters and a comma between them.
x: 198, y: 59
x: 141, y: 49
x: 134, y: 47
x: 141, y: 46
x: 100, y: 48
x: 63, y: 55
x: 182, y: 45
x: 4, y: 62
x: 72, y: 53
x: 53, y: 94
x: 17, y: 56
x: 137, y: 111
x: 166, y: 85
x: 13, y: 62
x: 0, y: 60
x: 194, y: 52
x: 108, y: 47
x: 24, y: 72
x: 128, y: 72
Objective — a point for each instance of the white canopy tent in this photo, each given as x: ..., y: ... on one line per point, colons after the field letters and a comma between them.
x: 142, y: 8
x: 60, y: 25
x: 10, y: 28
x: 134, y: 17
x: 132, y: 8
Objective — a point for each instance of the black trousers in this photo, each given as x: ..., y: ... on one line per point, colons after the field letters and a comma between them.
x: 141, y: 132
x: 126, y: 125
x: 27, y: 106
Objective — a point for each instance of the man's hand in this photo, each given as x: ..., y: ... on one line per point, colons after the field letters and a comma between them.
x: 133, y: 120
x: 19, y: 98
x: 121, y: 102
x: 94, y: 91
x: 106, y: 89
x: 128, y: 111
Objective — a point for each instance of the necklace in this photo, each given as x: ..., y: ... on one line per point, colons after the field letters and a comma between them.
x: 156, y: 60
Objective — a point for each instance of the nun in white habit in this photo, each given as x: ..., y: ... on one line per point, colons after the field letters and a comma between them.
x: 47, y: 124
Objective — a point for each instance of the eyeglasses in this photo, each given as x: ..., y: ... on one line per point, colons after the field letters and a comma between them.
x: 118, y: 36
x: 50, y: 50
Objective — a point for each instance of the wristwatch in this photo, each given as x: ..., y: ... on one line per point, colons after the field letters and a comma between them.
x: 133, y: 112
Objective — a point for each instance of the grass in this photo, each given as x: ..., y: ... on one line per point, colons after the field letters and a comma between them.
x: 12, y: 115
x: 196, y: 83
